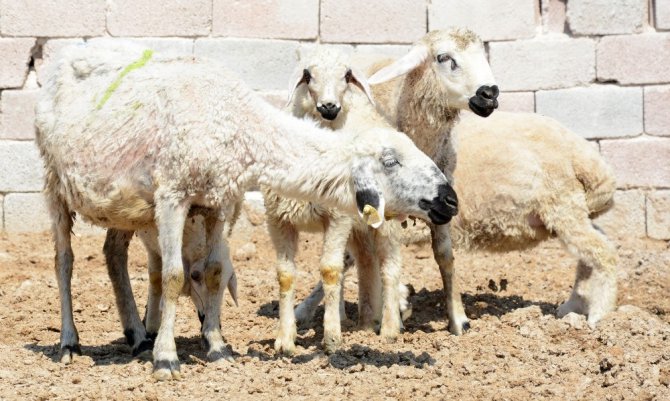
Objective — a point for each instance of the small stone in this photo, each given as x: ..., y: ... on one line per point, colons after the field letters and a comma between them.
x: 575, y: 320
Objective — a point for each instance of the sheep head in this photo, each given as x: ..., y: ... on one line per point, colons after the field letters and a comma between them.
x: 397, y: 180
x: 452, y: 67
x: 320, y: 81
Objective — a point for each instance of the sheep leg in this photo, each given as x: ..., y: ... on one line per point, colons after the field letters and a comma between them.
x: 152, y: 318
x: 369, y: 279
x: 304, y: 313
x: 595, y: 289
x: 116, y: 257
x: 285, y: 240
x: 444, y: 256
x: 216, y: 283
x: 62, y: 227
x: 170, y: 218
x: 391, y: 263
x: 332, y: 265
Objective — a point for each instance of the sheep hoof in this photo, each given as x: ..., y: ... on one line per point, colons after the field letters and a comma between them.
x: 220, y: 356
x: 166, y: 370
x: 144, y: 349
x: 286, y: 347
x: 458, y: 329
x: 331, y: 344
x: 67, y: 353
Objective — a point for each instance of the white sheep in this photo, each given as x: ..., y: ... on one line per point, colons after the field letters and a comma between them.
x: 319, y: 87
x: 443, y: 73
x: 131, y: 139
x: 520, y: 177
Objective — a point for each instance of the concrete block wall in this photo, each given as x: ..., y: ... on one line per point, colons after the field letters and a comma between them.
x: 598, y: 66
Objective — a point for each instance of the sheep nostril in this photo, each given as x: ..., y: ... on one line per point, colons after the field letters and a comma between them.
x: 196, y: 276
x: 488, y: 92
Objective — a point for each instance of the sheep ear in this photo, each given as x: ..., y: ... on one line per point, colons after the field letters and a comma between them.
x: 298, y: 77
x: 416, y: 56
x: 369, y: 199
x: 355, y: 77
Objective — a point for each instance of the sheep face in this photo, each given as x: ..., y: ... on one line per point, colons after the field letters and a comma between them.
x: 452, y: 65
x: 319, y: 83
x: 398, y: 176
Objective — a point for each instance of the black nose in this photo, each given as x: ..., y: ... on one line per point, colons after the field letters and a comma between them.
x: 488, y: 92
x: 443, y: 207
x: 328, y: 110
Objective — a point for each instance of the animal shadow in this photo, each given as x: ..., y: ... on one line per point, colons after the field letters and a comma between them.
x: 117, y: 352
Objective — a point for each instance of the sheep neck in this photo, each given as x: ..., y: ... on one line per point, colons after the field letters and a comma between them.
x: 424, y: 114
x: 305, y: 162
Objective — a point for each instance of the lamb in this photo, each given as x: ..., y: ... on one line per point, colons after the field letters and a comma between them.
x: 131, y: 139
x: 318, y: 86
x: 439, y: 81
x: 543, y: 178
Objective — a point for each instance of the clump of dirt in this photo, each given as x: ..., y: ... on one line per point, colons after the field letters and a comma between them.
x: 515, y: 350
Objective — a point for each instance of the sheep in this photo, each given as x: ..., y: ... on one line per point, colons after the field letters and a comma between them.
x: 444, y: 72
x: 504, y: 211
x: 318, y: 87
x: 130, y: 139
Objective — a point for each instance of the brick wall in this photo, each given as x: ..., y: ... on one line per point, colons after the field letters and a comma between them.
x: 598, y: 66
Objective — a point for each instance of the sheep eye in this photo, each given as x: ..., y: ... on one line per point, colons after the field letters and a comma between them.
x: 388, y: 163
x: 443, y: 58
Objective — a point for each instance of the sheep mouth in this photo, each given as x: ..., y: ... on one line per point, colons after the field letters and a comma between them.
x: 481, y: 106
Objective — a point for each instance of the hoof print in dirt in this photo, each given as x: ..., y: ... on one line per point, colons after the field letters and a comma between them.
x: 166, y: 370
x: 67, y: 353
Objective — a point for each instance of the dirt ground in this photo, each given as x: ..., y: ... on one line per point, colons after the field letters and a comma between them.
x: 515, y: 350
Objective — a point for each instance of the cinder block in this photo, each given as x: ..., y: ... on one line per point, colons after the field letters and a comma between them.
x: 354, y: 21
x: 656, y: 113
x: 658, y: 214
x: 517, y: 101
x: 50, y: 51
x: 262, y: 64
x: 43, y: 18
x: 639, y: 162
x: 159, y: 17
x: 26, y: 212
x: 18, y: 114
x: 635, y: 59
x: 662, y: 11
x: 490, y: 19
x: 275, y: 19
x: 599, y: 111
x: 21, y: 169
x: 547, y: 63
x: 553, y: 15
x: 607, y: 17
x: 14, y: 61
x: 626, y: 219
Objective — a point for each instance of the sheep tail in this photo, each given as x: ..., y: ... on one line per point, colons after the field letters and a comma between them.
x: 596, y: 176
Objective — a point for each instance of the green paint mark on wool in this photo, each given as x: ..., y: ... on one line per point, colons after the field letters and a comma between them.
x: 141, y: 62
